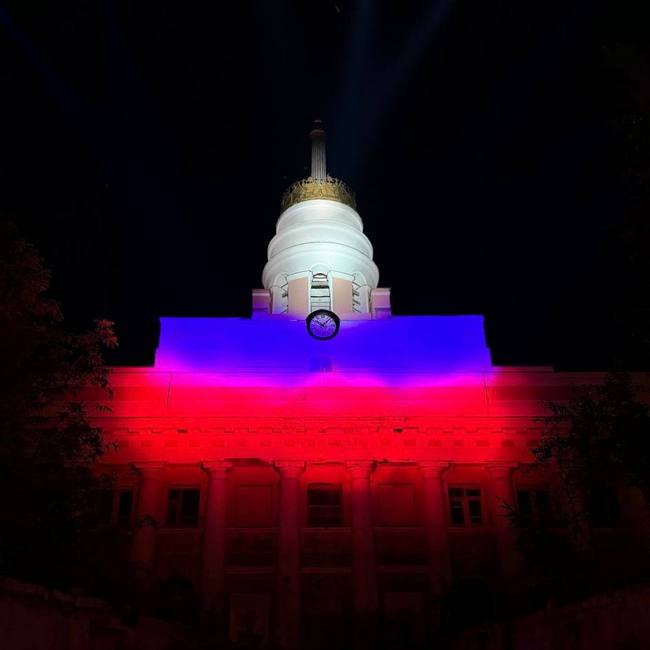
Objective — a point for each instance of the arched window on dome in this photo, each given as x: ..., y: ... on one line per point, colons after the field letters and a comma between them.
x: 319, y: 293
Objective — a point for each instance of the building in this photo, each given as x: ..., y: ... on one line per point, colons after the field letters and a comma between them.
x: 309, y: 488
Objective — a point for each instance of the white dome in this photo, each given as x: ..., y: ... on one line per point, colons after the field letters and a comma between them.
x: 322, y: 235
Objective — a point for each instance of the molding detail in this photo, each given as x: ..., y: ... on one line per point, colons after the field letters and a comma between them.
x: 501, y: 469
x: 216, y: 469
x: 360, y: 470
x: 149, y: 469
x: 289, y: 469
x: 433, y: 469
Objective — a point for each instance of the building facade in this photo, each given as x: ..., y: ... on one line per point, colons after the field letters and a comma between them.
x: 316, y: 492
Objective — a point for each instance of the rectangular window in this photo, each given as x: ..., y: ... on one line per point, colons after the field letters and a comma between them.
x: 115, y: 507
x: 124, y: 508
x: 465, y: 508
x: 324, y: 505
x: 534, y: 504
x: 183, y: 507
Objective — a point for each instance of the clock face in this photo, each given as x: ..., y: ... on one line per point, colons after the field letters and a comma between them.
x: 323, y: 324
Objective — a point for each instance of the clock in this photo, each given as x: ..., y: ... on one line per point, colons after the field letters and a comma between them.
x: 323, y: 324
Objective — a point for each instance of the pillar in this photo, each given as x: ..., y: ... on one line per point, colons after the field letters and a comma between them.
x: 364, y: 566
x: 214, y: 539
x: 150, y: 515
x: 288, y: 572
x: 436, y: 526
x: 501, y: 492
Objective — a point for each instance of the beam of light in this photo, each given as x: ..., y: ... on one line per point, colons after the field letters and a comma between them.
x: 367, y: 92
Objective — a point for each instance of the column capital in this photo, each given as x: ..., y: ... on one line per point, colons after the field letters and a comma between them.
x: 289, y: 468
x: 360, y: 469
x: 501, y: 469
x: 216, y: 469
x: 149, y: 468
x: 433, y: 469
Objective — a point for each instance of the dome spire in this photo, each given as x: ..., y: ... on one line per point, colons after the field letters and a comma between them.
x: 318, y: 185
x: 318, y: 162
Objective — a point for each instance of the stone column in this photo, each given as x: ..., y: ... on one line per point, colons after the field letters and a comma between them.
x: 214, y: 539
x: 501, y: 492
x: 150, y: 514
x: 436, y: 531
x: 288, y: 571
x: 364, y: 566
x: 436, y: 526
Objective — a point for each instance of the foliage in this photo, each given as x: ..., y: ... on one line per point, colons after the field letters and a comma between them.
x: 47, y: 443
x: 553, y: 569
x: 600, y: 436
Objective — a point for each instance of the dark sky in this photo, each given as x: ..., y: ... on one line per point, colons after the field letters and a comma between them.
x: 144, y: 147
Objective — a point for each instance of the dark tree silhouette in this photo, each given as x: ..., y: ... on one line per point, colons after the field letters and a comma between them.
x: 47, y: 444
x: 600, y: 436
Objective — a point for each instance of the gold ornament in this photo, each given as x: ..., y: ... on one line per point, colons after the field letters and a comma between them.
x: 311, y: 188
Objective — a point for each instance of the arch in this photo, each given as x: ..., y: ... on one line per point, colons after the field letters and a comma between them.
x: 320, y: 295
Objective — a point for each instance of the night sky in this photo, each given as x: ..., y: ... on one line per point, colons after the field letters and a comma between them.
x: 144, y: 148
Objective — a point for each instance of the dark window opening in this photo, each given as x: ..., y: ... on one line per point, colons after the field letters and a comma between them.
x: 534, y: 505
x: 183, y: 507
x: 124, y: 508
x: 324, y: 505
x: 114, y: 507
x: 465, y: 508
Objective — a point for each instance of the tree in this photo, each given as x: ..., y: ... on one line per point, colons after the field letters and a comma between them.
x: 600, y: 435
x: 48, y: 446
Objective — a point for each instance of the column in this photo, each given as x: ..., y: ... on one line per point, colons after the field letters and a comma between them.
x: 288, y: 572
x: 436, y: 526
x: 214, y: 538
x: 150, y: 514
x: 364, y: 567
x: 501, y: 492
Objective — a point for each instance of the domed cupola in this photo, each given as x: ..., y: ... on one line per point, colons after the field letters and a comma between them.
x: 320, y: 257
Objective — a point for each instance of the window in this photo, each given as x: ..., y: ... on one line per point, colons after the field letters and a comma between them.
x: 465, y: 506
x: 183, y: 507
x: 124, y: 508
x: 115, y: 507
x: 534, y: 505
x: 324, y: 505
x: 320, y: 292
x: 602, y: 507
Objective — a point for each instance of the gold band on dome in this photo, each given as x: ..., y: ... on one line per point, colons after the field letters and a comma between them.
x: 312, y: 188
